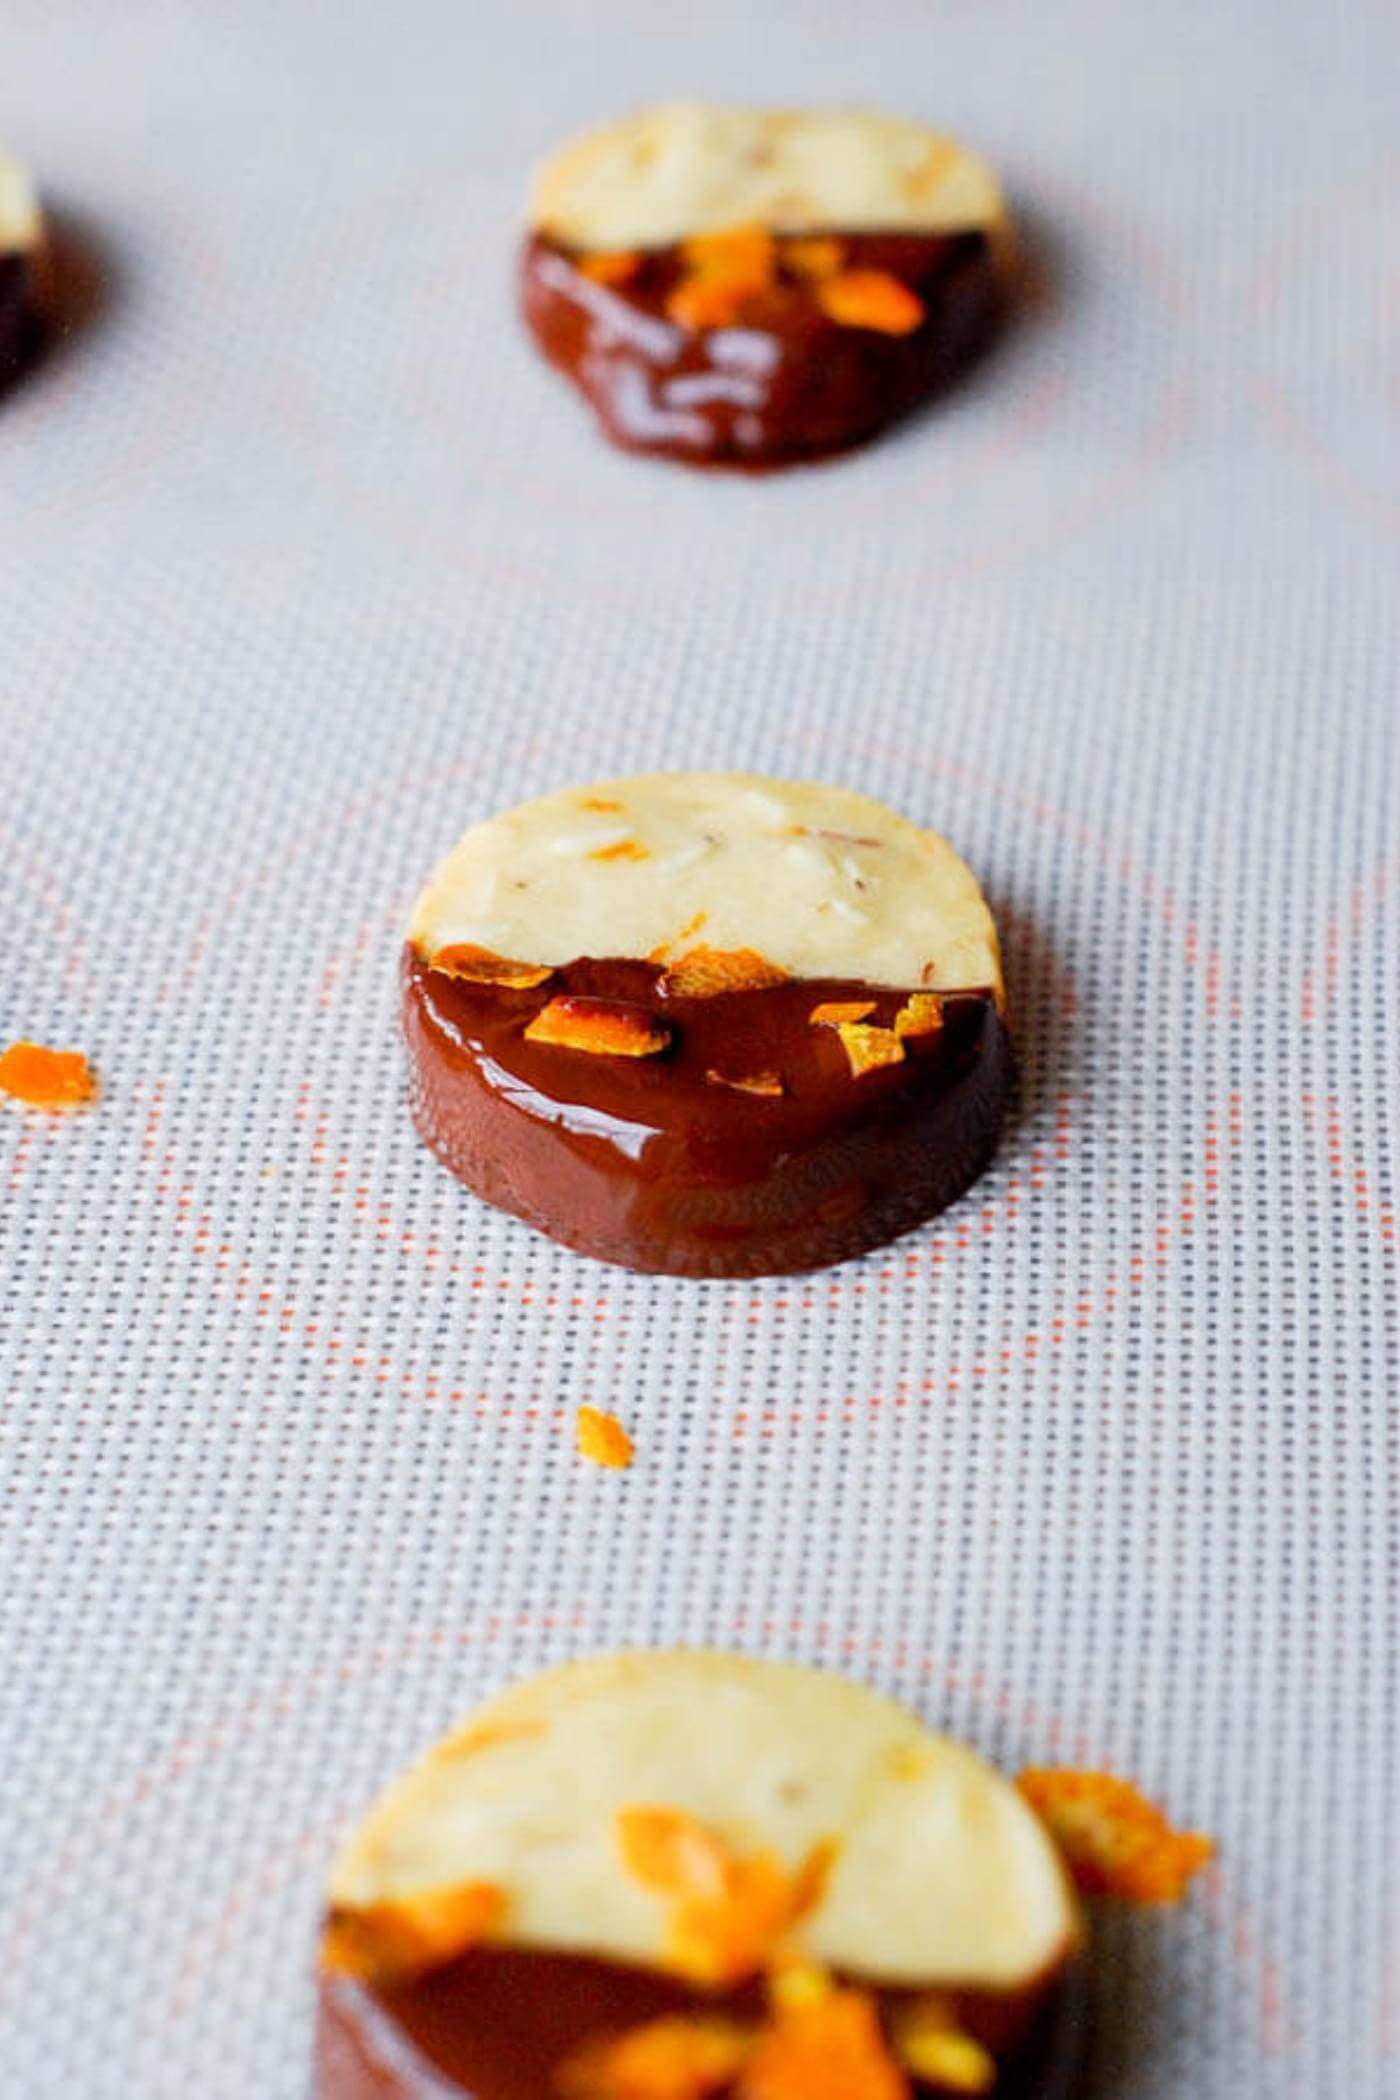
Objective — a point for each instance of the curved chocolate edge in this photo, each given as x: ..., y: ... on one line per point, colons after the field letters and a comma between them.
x: 787, y: 384
x: 495, y: 2023
x: 646, y: 1162
x: 19, y: 319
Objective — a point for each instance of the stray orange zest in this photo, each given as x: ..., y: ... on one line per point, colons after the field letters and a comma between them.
x: 870, y: 299
x: 623, y: 849
x: 769, y: 1083
x: 921, y: 1014
x: 50, y: 1079
x: 602, y: 1438
x: 482, y: 966
x: 602, y: 803
x: 832, y: 1012
x: 701, y: 972
x: 414, y: 1933
x: 816, y: 257
x: 729, y: 1916
x: 827, y: 2045
x: 611, y: 266
x: 868, y: 1048
x: 667, y: 2059
x: 604, y: 1027
x: 1115, y: 1841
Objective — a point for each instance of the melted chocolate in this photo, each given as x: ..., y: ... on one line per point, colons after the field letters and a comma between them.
x: 17, y: 319
x: 653, y: 1163
x: 496, y: 2023
x: 786, y: 382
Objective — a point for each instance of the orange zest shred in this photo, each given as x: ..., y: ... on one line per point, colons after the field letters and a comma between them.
x: 611, y: 266
x: 604, y: 1027
x: 767, y: 1083
x: 621, y: 849
x: 729, y: 1916
x: 723, y: 271
x: 668, y: 2059
x: 832, y: 1012
x: 826, y: 2045
x: 921, y: 1014
x: 604, y: 804
x: 701, y: 972
x: 415, y: 1933
x: 602, y: 1438
x: 814, y: 257
x: 482, y: 966
x: 870, y: 299
x: 1115, y: 1841
x: 748, y: 248
x: 49, y: 1079
x: 931, y: 2046
x: 868, y: 1048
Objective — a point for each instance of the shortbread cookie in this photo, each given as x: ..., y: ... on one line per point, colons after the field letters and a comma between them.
x: 681, y: 1872
x: 739, y: 285
x: 21, y: 239
x: 707, y: 1023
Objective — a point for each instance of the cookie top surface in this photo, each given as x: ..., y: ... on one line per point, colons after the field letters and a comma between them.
x: 685, y: 168
x: 19, y: 208
x: 939, y: 1874
x: 821, y: 882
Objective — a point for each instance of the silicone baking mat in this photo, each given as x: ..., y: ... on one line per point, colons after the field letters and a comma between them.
x: 307, y: 563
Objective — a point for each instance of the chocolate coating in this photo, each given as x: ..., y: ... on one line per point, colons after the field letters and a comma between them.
x: 788, y: 383
x: 17, y: 316
x: 496, y: 2023
x: 652, y: 1163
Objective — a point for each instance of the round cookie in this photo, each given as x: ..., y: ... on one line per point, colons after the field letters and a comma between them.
x: 728, y: 285
x: 21, y: 238
x: 683, y: 1857
x: 708, y: 1024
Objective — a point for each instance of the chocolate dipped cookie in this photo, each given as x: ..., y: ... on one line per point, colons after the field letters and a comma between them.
x: 686, y: 1873
x: 739, y: 286
x: 21, y: 242
x: 709, y: 1024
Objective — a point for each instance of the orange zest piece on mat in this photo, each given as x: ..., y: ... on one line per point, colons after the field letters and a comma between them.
x: 668, y: 2059
x: 730, y: 1917
x: 723, y: 271
x: 868, y: 1048
x: 870, y: 299
x: 602, y: 1438
x: 482, y: 966
x: 832, y: 1012
x: 701, y: 972
x: 921, y: 1014
x: 415, y: 1933
x: 604, y: 1027
x: 611, y: 266
x: 816, y: 257
x: 41, y: 1078
x: 769, y: 1083
x: 822, y: 2043
x: 1115, y: 1841
x: 623, y: 849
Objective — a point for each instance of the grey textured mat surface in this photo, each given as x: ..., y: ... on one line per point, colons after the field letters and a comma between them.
x: 304, y: 562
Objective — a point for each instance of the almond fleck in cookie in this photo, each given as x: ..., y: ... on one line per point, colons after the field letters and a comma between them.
x: 707, y: 1023
x: 682, y: 1873
x: 753, y: 286
x: 21, y: 242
